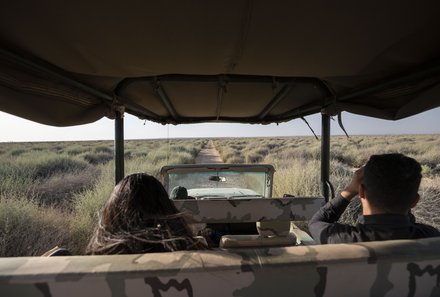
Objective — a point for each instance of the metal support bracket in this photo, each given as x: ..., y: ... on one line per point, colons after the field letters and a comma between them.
x: 325, y: 156
x: 119, y: 144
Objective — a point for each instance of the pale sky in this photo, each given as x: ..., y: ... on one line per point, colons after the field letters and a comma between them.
x: 14, y: 129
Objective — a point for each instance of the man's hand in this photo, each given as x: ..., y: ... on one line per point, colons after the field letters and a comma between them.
x: 353, y: 188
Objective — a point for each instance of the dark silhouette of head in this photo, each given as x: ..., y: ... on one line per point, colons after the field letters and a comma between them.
x: 391, y: 182
x: 179, y: 192
x: 139, y: 217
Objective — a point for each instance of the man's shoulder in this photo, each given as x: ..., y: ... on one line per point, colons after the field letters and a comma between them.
x: 344, y: 233
x: 427, y: 230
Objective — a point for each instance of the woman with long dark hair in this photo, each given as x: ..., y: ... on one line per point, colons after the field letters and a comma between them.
x: 140, y: 218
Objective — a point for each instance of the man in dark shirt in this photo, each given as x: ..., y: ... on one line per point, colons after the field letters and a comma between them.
x: 387, y: 186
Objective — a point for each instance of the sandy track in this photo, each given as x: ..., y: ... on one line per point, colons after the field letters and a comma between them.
x: 208, y: 154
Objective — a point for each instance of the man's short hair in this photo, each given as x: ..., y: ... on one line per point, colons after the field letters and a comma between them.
x: 392, y: 181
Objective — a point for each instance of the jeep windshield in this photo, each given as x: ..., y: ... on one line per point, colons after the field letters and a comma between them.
x: 220, y: 182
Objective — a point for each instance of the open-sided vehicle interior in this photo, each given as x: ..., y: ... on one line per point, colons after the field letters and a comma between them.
x: 245, y: 61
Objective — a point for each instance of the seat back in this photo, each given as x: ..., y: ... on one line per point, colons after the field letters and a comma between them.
x: 388, y: 268
x: 272, y: 217
x: 249, y: 210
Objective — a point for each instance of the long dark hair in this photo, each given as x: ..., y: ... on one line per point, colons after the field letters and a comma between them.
x: 139, y: 217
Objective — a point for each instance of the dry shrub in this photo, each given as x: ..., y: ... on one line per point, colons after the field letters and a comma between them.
x: 76, y: 150
x: 227, y: 155
x: 188, y: 148
x: 299, y: 153
x: 230, y: 156
x: 430, y: 157
x: 353, y: 157
x: 264, y: 151
x: 229, y: 151
x: 426, y: 210
x: 270, y: 145
x: 57, y: 165
x: 158, y: 156
x: 87, y: 205
x: 29, y: 230
x: 140, y: 155
x: 98, y: 158
x: 236, y: 147
x: 59, y: 190
x: 128, y: 154
x: 299, y: 178
x: 183, y: 158
x: 17, y: 152
x: 236, y: 160
x: 254, y: 157
x: 58, y: 148
x: 21, y: 174
x: 104, y: 150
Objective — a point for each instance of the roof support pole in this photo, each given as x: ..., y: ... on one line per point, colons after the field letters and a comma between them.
x: 325, y: 156
x: 119, y: 146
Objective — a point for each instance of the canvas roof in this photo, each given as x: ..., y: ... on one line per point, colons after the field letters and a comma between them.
x: 72, y: 62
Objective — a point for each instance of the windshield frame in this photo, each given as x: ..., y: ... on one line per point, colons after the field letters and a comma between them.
x: 217, y: 169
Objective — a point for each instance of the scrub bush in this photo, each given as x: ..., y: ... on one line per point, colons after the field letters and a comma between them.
x: 98, y: 158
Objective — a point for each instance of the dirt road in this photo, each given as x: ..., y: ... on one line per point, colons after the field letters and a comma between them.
x: 208, y: 154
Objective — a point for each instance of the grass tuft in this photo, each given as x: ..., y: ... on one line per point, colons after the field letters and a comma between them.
x: 98, y: 158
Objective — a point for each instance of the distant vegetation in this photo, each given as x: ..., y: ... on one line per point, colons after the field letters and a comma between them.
x: 50, y: 193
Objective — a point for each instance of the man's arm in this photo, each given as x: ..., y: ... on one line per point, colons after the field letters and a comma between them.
x: 323, y: 223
